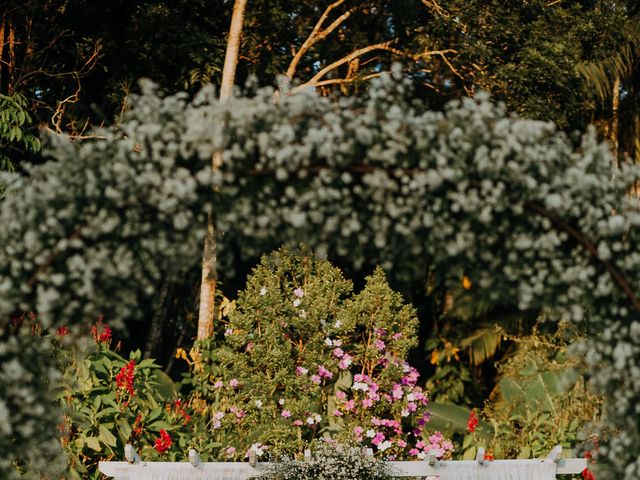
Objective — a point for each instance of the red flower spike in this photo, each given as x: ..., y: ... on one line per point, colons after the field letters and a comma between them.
x: 163, y: 442
x: 125, y: 377
x: 101, y: 332
x: 588, y: 474
x: 472, y: 423
x: 63, y: 331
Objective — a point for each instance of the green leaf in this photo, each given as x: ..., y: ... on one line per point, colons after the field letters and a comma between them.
x: 159, y: 424
x: 525, y: 452
x: 447, y: 416
x: 165, y: 387
x: 469, y: 454
x: 93, y: 443
x: 107, y: 437
x: 125, y: 429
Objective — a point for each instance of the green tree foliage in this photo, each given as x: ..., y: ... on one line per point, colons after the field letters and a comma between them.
x: 527, y: 53
x: 15, y: 136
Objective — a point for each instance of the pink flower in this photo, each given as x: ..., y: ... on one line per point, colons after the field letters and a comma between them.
x: 367, y: 402
x: 234, y: 383
x: 414, y: 452
x: 315, y: 379
x: 286, y: 414
x: 298, y: 292
x: 298, y: 423
x: 396, y: 336
x: 380, y: 345
x: 218, y: 384
x: 301, y: 371
x: 350, y: 405
x: 341, y: 395
x: 378, y: 438
x: 338, y: 352
x: 412, y: 407
x: 228, y: 331
x: 401, y: 443
x: 323, y: 372
x: 358, y: 377
x: 345, y: 362
x: 230, y: 451
x: 397, y: 392
x: 337, y: 413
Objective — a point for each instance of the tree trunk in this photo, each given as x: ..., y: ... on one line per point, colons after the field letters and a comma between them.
x: 613, y: 133
x: 1, y: 52
x: 11, y: 61
x: 209, y: 274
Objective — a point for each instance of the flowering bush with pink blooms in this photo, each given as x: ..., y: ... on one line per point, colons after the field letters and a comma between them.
x: 304, y: 357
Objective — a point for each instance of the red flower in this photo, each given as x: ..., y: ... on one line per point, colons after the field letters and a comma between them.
x: 62, y: 331
x: 163, y: 442
x: 472, y: 423
x: 137, y: 425
x: 101, y: 332
x: 125, y: 377
x: 588, y: 474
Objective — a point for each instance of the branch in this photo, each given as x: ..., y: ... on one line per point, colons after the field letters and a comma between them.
x: 433, y: 5
x: 589, y: 246
x: 311, y: 39
x: 355, y: 54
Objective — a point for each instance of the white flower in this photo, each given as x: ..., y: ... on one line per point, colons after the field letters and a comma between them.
x: 258, y: 403
x: 281, y: 401
x: 338, y: 324
x: 296, y: 302
x: 310, y: 420
x: 384, y: 445
x: 258, y: 448
x: 405, y: 412
x: 360, y: 386
x: 371, y: 433
x: 263, y: 291
x: 410, y: 397
x: 328, y: 342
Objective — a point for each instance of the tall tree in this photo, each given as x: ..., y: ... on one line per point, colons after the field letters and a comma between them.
x: 209, y: 274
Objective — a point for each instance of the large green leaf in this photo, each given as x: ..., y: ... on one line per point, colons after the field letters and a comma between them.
x: 165, y: 386
x: 447, y: 416
x: 107, y: 437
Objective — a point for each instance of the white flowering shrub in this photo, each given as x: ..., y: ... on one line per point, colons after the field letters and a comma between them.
x: 28, y: 413
x: 329, y: 462
x: 540, y: 218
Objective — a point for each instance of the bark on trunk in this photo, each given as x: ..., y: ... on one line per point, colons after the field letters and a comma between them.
x: 613, y: 134
x: 209, y: 274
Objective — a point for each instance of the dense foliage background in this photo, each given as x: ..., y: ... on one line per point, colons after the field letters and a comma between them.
x: 113, y: 224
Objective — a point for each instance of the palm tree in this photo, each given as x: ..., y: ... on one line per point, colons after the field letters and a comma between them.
x: 613, y: 80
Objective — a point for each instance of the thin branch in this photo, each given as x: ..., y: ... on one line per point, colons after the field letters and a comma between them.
x: 342, y: 81
x: 590, y: 247
x: 310, y: 41
x: 355, y: 54
x: 433, y: 5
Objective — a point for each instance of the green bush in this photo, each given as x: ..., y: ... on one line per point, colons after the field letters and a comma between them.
x: 111, y: 401
x: 304, y: 357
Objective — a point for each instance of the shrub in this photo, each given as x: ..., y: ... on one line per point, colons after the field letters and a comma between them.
x: 304, y: 357
x: 329, y: 462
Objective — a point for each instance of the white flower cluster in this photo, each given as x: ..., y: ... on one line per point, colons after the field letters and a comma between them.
x: 329, y: 462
